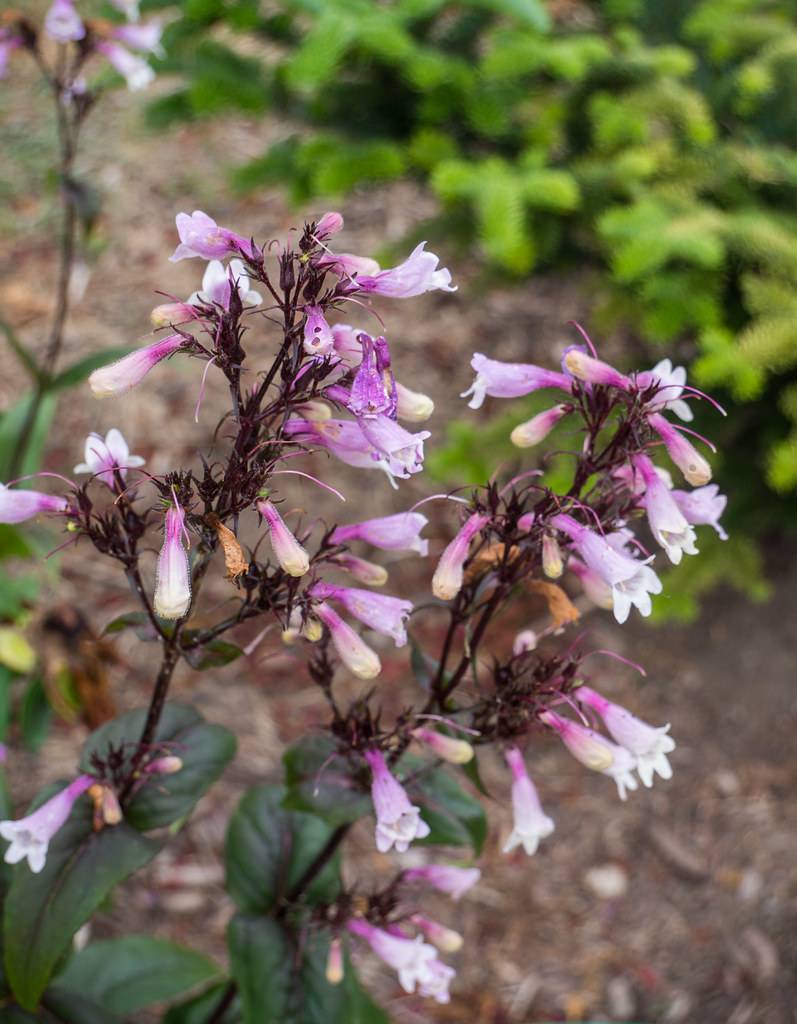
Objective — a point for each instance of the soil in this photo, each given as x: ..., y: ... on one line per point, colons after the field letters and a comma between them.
x: 679, y: 905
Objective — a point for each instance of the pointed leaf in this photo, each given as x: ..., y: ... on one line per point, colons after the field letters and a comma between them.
x: 44, y: 911
x: 454, y: 816
x: 321, y: 780
x: 204, y: 749
x: 261, y: 958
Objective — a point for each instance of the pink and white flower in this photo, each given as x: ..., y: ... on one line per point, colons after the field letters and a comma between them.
x: 647, y: 743
x: 219, y: 282
x: 123, y: 375
x: 402, y: 450
x: 417, y: 274
x: 318, y: 337
x: 632, y: 581
x: 398, y: 820
x: 447, y: 748
x: 594, y: 371
x: 361, y: 569
x: 445, y: 939
x: 410, y: 958
x: 703, y: 507
x: 380, y: 612
x: 399, y: 532
x: 451, y: 880
x: 173, y: 580
x: 450, y: 572
x: 670, y: 381
x: 105, y: 458
x: 595, y: 751
x: 201, y: 236
x: 353, y: 651
x: 667, y: 523
x: 135, y: 70
x: 527, y: 434
x: 30, y: 836
x: 330, y: 224
x: 18, y: 505
x: 531, y: 824
x: 290, y: 554
x: 62, y: 22
x: 509, y: 380
x: 144, y: 37
x: 437, y: 985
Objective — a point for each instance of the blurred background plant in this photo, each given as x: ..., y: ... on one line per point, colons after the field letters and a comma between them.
x: 68, y: 53
x: 651, y: 142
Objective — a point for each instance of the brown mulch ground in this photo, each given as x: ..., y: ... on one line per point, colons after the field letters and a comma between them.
x: 679, y: 906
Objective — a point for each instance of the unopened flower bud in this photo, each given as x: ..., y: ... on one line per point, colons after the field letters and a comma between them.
x: 354, y: 652
x: 329, y: 224
x: 449, y: 574
x: 334, y: 971
x: 594, y: 371
x: 446, y: 939
x: 167, y: 765
x: 526, y: 521
x: 552, y: 564
x: 170, y: 313
x: 445, y: 747
x: 315, y: 411
x: 413, y: 406
x: 527, y: 434
x: 107, y: 810
x: 362, y: 570
x: 683, y: 453
x: 312, y: 630
x: 173, y: 581
x: 288, y: 551
x: 525, y: 641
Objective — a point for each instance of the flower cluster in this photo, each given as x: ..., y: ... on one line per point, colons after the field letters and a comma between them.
x: 330, y: 390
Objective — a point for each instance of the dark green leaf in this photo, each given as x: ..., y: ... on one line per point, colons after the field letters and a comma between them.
x: 35, y: 715
x: 16, y: 423
x: 268, y: 849
x: 321, y: 780
x: 14, y: 543
x: 16, y: 593
x: 322, y: 1003
x: 79, y: 371
x: 75, y: 1008
x: 127, y: 974
x: 455, y: 817
x: 216, y: 654
x: 261, y: 958
x: 204, y: 749
x: 6, y: 676
x: 423, y: 667
x: 44, y: 911
x: 200, y: 1009
x: 139, y: 621
x: 20, y: 351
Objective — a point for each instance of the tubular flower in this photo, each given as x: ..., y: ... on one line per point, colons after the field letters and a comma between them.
x: 527, y: 434
x: 361, y: 569
x: 595, y: 751
x: 290, y: 554
x: 135, y: 70
x: 346, y: 264
x: 525, y: 641
x: 667, y: 523
x: 173, y: 581
x: 345, y: 440
x: 318, y: 337
x: 17, y: 506
x: 146, y: 38
x: 445, y: 939
x: 384, y: 614
x: 453, y: 881
x: 450, y: 572
x: 594, y: 371
x: 334, y: 969
x: 219, y: 283
x: 30, y: 837
x: 399, y: 532
x: 170, y: 314
x: 373, y: 391
x: 353, y: 651
x: 702, y: 507
x: 509, y: 380
x: 402, y: 450
x: 410, y: 958
x: 62, y: 22
x: 632, y: 581
x: 648, y: 744
x: 398, y: 821
x: 670, y: 383
x: 201, y: 236
x: 123, y: 375
x: 445, y: 747
x: 531, y: 824
x: 416, y: 275
x: 105, y: 458
x: 683, y: 453
x: 413, y: 406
